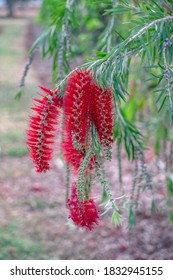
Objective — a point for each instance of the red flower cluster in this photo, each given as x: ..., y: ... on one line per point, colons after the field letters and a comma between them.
x: 83, y: 213
x: 85, y: 103
x: 103, y: 115
x: 42, y: 128
x: 77, y: 122
x: 77, y: 104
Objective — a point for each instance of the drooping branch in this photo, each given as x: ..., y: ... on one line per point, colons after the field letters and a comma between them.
x: 26, y: 69
x: 145, y: 28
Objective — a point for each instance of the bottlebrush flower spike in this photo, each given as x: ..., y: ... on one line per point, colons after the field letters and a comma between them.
x: 42, y: 128
x: 77, y: 117
x: 86, y: 103
x: 83, y: 213
x: 77, y: 104
x: 103, y: 116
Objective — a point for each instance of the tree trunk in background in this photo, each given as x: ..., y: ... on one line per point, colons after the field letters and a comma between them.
x: 10, y: 6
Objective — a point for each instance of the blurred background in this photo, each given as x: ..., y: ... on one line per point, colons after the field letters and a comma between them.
x: 33, y: 216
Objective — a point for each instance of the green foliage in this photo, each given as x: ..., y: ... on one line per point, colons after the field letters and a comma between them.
x: 171, y: 218
x: 116, y: 217
x: 47, y: 9
x: 126, y: 132
x: 70, y: 30
x: 169, y: 183
x: 169, y: 186
x: 132, y: 218
x: 18, y: 95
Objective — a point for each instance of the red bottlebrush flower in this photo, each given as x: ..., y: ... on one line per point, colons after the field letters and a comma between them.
x: 77, y: 105
x: 71, y: 155
x: 83, y: 213
x: 77, y: 109
x: 102, y: 115
x: 86, y: 103
x: 42, y: 127
x: 77, y: 119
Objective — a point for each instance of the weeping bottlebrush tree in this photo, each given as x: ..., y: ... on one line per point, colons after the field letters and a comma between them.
x: 93, y: 102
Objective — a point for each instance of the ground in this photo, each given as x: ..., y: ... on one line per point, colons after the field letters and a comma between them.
x: 34, y: 218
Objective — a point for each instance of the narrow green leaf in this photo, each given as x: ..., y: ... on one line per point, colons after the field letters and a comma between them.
x: 38, y: 41
x: 158, y: 6
x: 163, y: 102
x: 171, y: 217
x: 151, y: 66
x: 150, y: 79
x: 132, y: 218
x: 18, y: 95
x: 100, y: 54
x: 153, y: 207
x: 118, y: 10
x: 169, y: 184
x: 160, y: 95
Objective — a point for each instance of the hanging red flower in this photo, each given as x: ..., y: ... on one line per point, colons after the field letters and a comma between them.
x: 86, y: 104
x: 103, y: 115
x: 77, y: 105
x: 83, y: 213
x: 88, y: 109
x: 42, y: 128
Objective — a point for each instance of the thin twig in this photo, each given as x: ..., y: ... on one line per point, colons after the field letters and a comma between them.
x: 26, y: 69
x: 68, y: 41
x: 81, y: 177
x: 67, y: 181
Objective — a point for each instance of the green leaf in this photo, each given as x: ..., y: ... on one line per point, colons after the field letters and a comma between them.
x: 157, y: 145
x: 169, y: 184
x: 18, y: 95
x: 120, y: 35
x: 118, y: 10
x: 158, y: 6
x: 104, y: 195
x: 143, y: 43
x: 158, y: 90
x: 163, y: 102
x: 40, y: 40
x: 150, y: 79
x: 100, y: 54
x: 132, y: 218
x: 116, y: 218
x: 153, y: 207
x: 160, y: 95
x: 151, y: 66
x: 170, y: 217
